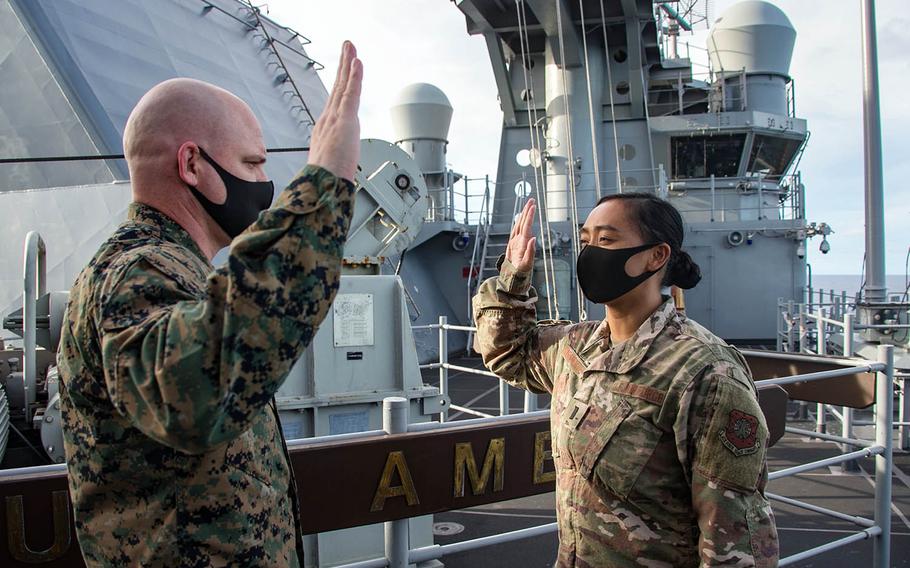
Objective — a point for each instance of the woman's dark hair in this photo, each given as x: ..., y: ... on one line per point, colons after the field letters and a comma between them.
x: 660, y: 222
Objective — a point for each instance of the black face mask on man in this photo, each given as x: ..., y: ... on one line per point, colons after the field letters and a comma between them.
x: 244, y: 201
x: 602, y: 272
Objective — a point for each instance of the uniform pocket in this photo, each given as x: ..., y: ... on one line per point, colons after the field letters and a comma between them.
x: 251, y: 454
x: 612, y: 446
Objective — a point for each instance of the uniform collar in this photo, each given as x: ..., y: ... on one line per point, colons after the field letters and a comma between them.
x: 628, y: 355
x: 169, y: 229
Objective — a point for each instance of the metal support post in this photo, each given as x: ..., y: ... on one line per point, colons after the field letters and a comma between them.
x: 875, y: 287
x: 821, y: 423
x: 450, y: 187
x: 820, y: 340
x: 713, y: 198
x: 486, y: 189
x: 781, y: 322
x: 680, y: 91
x: 467, y: 220
x: 903, y: 431
x: 791, y: 337
x: 531, y: 402
x: 803, y: 332
x: 760, y: 197
x: 395, y: 421
x: 847, y: 412
x: 848, y: 334
x: 443, y: 361
x: 503, y: 397
x: 884, y: 402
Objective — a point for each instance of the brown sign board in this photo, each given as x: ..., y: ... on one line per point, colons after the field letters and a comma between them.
x: 773, y: 402
x: 856, y: 390
x: 341, y: 484
x: 344, y: 483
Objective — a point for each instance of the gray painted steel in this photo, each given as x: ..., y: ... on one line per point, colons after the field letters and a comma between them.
x: 72, y: 71
x: 875, y: 287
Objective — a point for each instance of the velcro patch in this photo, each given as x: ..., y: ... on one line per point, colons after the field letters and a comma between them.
x: 575, y: 362
x: 741, y: 433
x: 650, y: 394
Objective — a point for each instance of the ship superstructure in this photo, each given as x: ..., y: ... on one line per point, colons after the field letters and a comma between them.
x: 598, y: 97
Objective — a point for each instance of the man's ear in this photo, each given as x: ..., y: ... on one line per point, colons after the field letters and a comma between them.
x: 188, y: 162
x: 659, y: 256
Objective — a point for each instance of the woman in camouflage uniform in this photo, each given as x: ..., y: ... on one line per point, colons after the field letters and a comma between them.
x: 657, y: 435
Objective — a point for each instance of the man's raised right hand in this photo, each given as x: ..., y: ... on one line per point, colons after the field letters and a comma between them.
x: 335, y: 143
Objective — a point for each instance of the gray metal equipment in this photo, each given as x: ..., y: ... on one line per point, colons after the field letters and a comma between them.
x: 364, y: 351
x: 29, y: 382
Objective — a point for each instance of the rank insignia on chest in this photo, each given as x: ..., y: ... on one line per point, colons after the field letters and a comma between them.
x: 741, y: 434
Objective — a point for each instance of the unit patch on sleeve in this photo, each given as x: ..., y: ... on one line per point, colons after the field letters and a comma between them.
x: 741, y: 434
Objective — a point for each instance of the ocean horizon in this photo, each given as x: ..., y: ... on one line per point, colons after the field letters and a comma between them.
x: 850, y: 283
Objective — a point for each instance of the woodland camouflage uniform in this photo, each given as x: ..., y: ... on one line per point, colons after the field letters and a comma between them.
x: 659, y: 442
x: 169, y: 368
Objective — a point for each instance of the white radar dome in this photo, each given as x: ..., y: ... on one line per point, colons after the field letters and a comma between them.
x: 421, y: 112
x: 753, y: 35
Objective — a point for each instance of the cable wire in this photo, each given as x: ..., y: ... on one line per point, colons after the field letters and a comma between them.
x: 570, y: 166
x: 540, y: 180
x: 594, y: 128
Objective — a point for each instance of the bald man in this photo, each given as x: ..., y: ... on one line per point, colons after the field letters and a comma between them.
x: 169, y: 367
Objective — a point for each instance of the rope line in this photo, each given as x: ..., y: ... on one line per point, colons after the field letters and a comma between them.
x: 43, y: 159
x: 594, y: 150
x: 570, y: 166
x: 549, y: 263
x: 539, y: 176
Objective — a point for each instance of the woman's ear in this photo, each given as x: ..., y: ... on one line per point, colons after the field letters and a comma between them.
x: 659, y: 256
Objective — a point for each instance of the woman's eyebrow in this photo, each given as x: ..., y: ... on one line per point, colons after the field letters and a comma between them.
x: 602, y: 228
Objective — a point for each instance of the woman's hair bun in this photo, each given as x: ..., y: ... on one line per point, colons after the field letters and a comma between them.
x: 684, y: 272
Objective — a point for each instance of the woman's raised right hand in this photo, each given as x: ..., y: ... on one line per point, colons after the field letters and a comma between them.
x: 520, y: 251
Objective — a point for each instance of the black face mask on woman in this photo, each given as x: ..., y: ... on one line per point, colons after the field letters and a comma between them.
x: 244, y: 201
x: 602, y: 272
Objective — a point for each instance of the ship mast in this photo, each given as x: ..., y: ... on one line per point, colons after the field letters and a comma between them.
x: 875, y: 287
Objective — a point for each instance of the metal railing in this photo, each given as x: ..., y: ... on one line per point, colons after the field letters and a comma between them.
x: 819, y: 328
x: 878, y: 528
x: 531, y: 400
x: 474, y: 201
x: 398, y: 554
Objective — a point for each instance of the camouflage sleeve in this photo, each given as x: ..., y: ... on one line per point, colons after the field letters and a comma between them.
x: 193, y: 373
x: 722, y: 433
x: 509, y: 338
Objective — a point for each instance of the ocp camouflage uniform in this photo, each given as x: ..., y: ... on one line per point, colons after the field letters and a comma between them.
x: 659, y: 442
x: 173, y: 445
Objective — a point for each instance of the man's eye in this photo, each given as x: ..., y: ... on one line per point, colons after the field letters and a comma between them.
x: 604, y: 239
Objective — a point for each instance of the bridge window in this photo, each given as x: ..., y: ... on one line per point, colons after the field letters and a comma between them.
x: 702, y: 156
x: 771, y: 155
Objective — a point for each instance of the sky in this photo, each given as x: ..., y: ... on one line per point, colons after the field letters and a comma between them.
x: 407, y: 41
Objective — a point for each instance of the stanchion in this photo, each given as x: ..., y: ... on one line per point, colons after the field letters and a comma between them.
x: 443, y: 361
x: 395, y: 421
x: 884, y: 418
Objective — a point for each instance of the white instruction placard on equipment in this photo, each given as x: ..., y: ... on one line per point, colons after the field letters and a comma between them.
x: 353, y: 315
